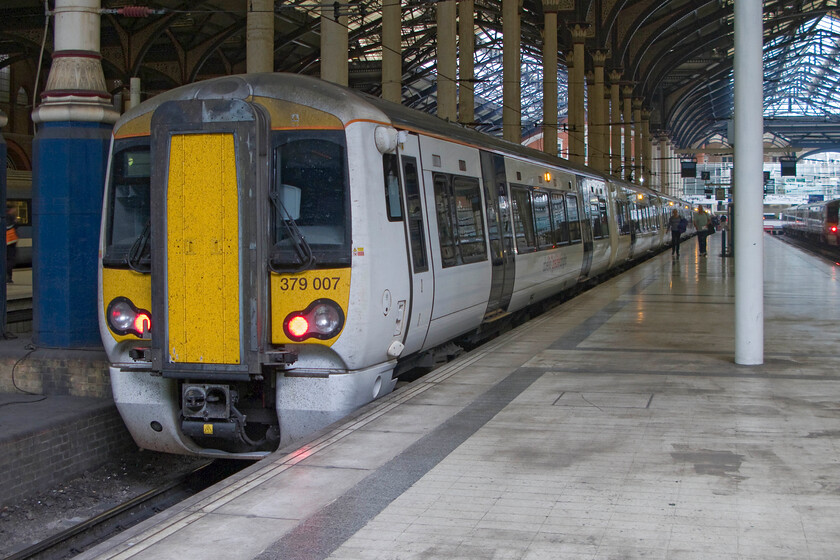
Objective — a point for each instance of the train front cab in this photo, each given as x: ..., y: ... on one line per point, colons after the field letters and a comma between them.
x: 200, y: 335
x: 831, y: 223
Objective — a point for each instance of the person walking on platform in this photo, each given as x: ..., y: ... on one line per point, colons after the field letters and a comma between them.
x: 676, y: 224
x: 11, y: 240
x: 701, y: 224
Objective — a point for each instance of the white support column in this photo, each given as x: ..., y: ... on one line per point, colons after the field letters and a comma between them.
x: 615, y: 124
x: 466, y: 61
x: 447, y: 60
x: 76, y: 89
x: 638, y: 163
x: 577, y: 102
x: 391, y: 51
x: 628, y: 133
x: 655, y: 158
x: 749, y: 192
x: 134, y: 93
x: 550, y: 78
x: 334, y: 43
x: 512, y: 72
x: 259, y: 47
x: 599, y: 149
x: 646, y: 149
x: 664, y: 166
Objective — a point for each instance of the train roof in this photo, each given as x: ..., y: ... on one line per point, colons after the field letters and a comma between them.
x: 348, y: 105
x: 305, y: 90
x: 807, y: 205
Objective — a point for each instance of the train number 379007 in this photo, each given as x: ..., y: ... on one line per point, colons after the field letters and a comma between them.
x: 316, y: 283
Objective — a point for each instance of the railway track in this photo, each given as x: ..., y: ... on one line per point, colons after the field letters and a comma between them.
x: 90, y: 532
x: 828, y: 253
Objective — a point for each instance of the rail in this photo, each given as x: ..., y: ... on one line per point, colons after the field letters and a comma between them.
x: 90, y: 532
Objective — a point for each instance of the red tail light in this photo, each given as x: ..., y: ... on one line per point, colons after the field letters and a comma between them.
x: 833, y: 229
x: 298, y: 326
x: 143, y: 323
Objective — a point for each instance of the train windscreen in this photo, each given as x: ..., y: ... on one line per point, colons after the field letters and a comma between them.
x: 310, y: 199
x: 127, y: 228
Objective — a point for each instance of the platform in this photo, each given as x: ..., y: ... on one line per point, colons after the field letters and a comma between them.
x: 57, y: 416
x: 615, y: 426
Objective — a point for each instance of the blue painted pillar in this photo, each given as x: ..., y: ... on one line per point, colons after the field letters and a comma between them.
x: 69, y: 169
x: 70, y: 149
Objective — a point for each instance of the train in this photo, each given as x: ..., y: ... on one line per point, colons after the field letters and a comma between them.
x: 815, y: 222
x: 277, y: 250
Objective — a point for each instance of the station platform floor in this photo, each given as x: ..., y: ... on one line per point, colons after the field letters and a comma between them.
x: 616, y: 425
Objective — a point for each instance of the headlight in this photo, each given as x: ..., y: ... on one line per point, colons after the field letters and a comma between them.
x: 323, y: 319
x: 327, y: 318
x: 125, y: 318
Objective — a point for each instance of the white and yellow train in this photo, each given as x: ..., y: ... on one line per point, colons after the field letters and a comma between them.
x: 276, y: 249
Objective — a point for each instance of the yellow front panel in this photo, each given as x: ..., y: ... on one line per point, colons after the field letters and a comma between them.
x: 294, y: 292
x: 288, y: 114
x: 135, y: 127
x: 202, y: 217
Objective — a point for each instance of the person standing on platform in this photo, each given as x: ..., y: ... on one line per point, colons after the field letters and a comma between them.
x: 11, y: 240
x: 677, y: 227
x: 701, y: 224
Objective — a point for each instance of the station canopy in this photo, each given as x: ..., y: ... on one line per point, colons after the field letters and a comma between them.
x: 676, y: 54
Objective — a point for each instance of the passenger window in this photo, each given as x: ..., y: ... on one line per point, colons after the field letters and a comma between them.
x: 574, y: 217
x: 469, y: 220
x: 523, y: 219
x: 542, y: 220
x: 444, y: 205
x: 391, y: 172
x: 594, y: 218
x: 414, y: 212
x: 622, y: 217
x: 460, y: 221
x: 602, y: 215
x: 558, y: 213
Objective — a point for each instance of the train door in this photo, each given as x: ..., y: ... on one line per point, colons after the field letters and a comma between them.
x: 458, y: 238
x: 500, y: 231
x: 422, y: 279
x: 633, y: 221
x: 208, y: 222
x: 584, y: 211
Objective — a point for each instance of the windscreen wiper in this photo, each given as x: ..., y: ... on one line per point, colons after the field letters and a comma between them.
x: 302, y: 248
x: 139, y: 256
